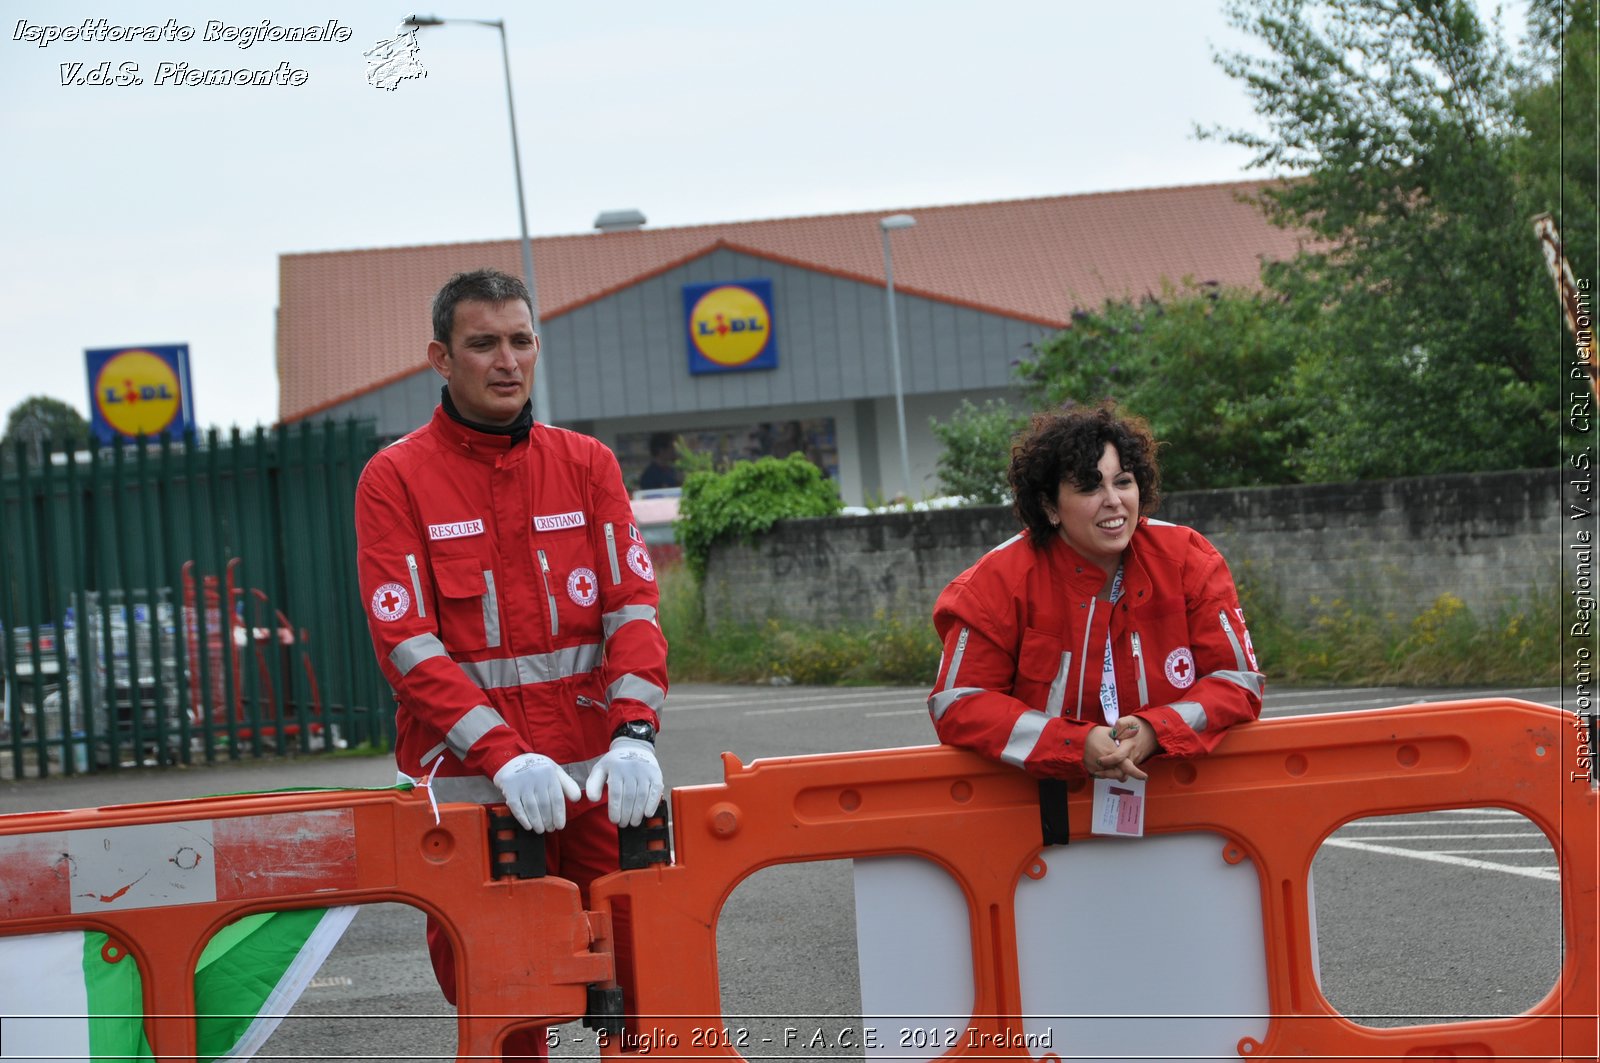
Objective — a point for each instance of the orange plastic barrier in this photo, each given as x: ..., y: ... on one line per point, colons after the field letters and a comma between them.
x: 1275, y: 790
x: 533, y: 955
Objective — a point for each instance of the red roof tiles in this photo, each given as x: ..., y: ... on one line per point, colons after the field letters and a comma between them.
x: 350, y: 321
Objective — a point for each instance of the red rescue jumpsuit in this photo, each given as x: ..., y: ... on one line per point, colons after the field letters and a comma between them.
x: 1024, y: 636
x: 512, y: 605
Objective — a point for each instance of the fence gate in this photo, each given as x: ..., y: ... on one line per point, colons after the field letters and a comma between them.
x: 184, y: 600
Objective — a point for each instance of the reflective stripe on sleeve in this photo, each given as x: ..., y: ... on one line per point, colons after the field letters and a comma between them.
x: 610, y: 622
x: 1024, y: 737
x: 580, y: 769
x: 631, y: 686
x: 1057, y: 697
x: 533, y: 667
x: 414, y: 650
x: 478, y: 789
x: 939, y: 704
x: 491, y: 611
x: 1192, y: 714
x: 1083, y: 671
x: 955, y: 659
x: 481, y: 790
x: 477, y: 722
x: 1014, y: 539
x: 1251, y: 681
x: 1233, y: 640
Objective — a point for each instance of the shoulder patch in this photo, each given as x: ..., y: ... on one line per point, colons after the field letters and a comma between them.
x: 390, y: 602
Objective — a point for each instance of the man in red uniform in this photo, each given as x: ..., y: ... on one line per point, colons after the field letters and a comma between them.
x: 512, y: 602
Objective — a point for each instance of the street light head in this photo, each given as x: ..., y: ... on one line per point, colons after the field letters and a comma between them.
x: 897, y: 221
x: 420, y: 21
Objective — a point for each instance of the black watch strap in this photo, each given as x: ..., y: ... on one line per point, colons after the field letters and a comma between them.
x: 636, y: 729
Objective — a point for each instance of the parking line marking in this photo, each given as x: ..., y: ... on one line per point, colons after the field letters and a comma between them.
x: 1546, y: 874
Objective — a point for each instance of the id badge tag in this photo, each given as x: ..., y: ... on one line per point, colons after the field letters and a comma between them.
x: 1118, y: 808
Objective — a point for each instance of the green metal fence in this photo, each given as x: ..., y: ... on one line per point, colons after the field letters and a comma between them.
x: 185, y: 601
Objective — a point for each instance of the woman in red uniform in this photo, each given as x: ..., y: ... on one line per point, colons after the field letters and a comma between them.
x: 1097, y: 637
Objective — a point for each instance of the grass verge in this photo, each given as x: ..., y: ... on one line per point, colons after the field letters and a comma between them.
x: 1337, y: 642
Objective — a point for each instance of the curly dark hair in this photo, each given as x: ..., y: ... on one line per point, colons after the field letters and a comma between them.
x: 1067, y: 446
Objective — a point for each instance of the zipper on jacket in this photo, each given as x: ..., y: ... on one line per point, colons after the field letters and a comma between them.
x: 1233, y: 640
x: 611, y: 553
x: 549, y: 595
x: 1138, y: 656
x: 416, y: 585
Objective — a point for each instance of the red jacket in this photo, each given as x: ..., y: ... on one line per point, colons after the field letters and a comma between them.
x: 511, y: 600
x: 1025, y: 640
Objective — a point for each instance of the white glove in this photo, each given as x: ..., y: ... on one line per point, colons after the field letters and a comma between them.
x: 632, y: 777
x: 537, y: 789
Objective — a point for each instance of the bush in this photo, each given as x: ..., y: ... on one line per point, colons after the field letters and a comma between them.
x: 745, y: 501
x: 1444, y: 644
x: 977, y: 451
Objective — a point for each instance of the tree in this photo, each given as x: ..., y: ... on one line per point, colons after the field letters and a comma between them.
x: 1207, y: 368
x: 1556, y: 103
x: 741, y: 503
x: 977, y: 451
x: 1395, y: 122
x: 40, y: 420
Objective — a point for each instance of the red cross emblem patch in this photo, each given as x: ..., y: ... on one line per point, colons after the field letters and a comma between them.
x: 390, y: 602
x: 1180, y: 668
x: 583, y: 587
x: 639, y: 561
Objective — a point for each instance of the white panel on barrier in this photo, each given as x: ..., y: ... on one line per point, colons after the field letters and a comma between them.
x: 914, y: 947
x: 42, y: 989
x: 1149, y: 948
x: 1127, y: 948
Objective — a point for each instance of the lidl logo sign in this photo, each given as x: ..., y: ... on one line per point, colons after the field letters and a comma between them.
x: 730, y: 326
x: 136, y: 391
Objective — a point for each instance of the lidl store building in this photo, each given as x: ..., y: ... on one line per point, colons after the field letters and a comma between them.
x: 767, y: 337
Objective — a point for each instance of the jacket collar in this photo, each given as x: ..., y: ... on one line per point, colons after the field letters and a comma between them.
x: 1084, y: 578
x: 483, y: 446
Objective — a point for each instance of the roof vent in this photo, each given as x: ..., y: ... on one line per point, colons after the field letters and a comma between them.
x: 619, y: 221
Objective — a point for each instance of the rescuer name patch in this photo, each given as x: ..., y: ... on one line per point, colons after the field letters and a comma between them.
x: 458, y: 530
x: 558, y: 521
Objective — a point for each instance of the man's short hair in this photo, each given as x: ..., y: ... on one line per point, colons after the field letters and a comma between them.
x: 480, y: 285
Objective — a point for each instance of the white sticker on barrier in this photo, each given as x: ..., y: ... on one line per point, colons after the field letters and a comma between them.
x: 1190, y: 922
x: 153, y: 865
x: 146, y: 865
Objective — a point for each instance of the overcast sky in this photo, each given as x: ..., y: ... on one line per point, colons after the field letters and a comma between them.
x: 155, y: 213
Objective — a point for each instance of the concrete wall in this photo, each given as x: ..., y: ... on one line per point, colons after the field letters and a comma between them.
x: 1394, y: 544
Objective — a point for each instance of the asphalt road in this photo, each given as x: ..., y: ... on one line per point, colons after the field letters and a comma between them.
x: 1419, y: 918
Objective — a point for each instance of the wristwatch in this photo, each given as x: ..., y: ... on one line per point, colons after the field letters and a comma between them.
x: 636, y: 729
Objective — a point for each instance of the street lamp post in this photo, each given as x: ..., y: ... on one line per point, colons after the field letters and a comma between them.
x: 888, y: 225
x: 541, y: 395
